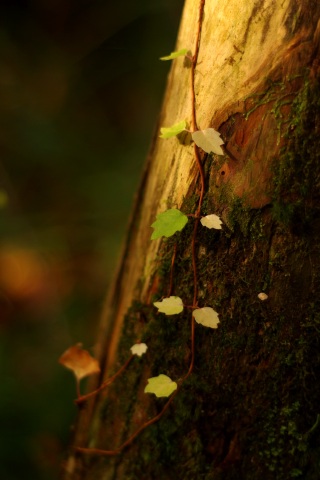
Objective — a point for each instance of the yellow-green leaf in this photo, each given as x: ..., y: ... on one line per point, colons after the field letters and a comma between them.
x: 173, y: 55
x: 161, y: 386
x: 168, y: 223
x: 170, y: 306
x: 174, y: 130
x: 206, y: 316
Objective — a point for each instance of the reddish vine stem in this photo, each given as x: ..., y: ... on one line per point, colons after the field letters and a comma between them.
x: 107, y: 453
x: 202, y: 186
x: 194, y: 64
x: 78, y: 388
x: 97, y: 451
x: 105, y: 384
x: 172, y: 270
x: 194, y: 114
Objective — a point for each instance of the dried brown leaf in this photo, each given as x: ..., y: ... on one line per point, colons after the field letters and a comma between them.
x: 79, y: 361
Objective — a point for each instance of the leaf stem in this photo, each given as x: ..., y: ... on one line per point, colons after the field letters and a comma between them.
x: 106, y: 383
x: 202, y: 186
x: 172, y: 270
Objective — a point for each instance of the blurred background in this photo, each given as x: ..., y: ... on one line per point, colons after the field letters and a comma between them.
x: 80, y: 90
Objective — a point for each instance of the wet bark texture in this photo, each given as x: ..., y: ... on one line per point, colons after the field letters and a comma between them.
x: 250, y: 409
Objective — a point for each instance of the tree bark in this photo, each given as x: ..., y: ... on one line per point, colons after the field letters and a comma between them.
x: 250, y: 408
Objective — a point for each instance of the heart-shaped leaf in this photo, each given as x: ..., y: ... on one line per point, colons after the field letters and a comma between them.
x: 209, y: 140
x: 168, y: 223
x: 170, y: 305
x: 161, y: 386
x: 211, y: 221
x: 139, y: 349
x: 206, y: 316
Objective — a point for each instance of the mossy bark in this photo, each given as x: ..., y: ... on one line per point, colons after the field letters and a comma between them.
x: 250, y: 409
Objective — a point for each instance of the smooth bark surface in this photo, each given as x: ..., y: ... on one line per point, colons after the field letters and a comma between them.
x: 250, y: 409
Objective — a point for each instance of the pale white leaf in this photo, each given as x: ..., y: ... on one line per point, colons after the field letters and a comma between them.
x: 211, y: 221
x: 262, y: 296
x: 209, y: 140
x: 206, y: 316
x: 139, y: 349
x: 170, y: 306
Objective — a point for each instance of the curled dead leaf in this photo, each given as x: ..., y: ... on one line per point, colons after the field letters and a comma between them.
x: 79, y: 361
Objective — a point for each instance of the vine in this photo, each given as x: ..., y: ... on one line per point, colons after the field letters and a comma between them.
x: 167, y: 224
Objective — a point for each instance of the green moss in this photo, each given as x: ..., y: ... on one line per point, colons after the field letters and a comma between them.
x: 297, y: 172
x: 270, y: 95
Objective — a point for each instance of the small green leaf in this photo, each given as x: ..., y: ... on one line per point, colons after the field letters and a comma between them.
x: 168, y: 223
x: 209, y: 140
x: 211, y: 221
x: 173, y: 55
x: 206, y: 316
x: 168, y: 132
x: 161, y: 386
x: 170, y: 305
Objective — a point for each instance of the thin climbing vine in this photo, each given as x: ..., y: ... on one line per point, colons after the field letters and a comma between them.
x: 166, y: 224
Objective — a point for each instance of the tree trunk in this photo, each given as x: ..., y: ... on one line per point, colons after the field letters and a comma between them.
x: 250, y: 408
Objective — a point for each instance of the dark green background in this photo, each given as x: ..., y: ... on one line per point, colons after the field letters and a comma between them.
x: 80, y: 90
